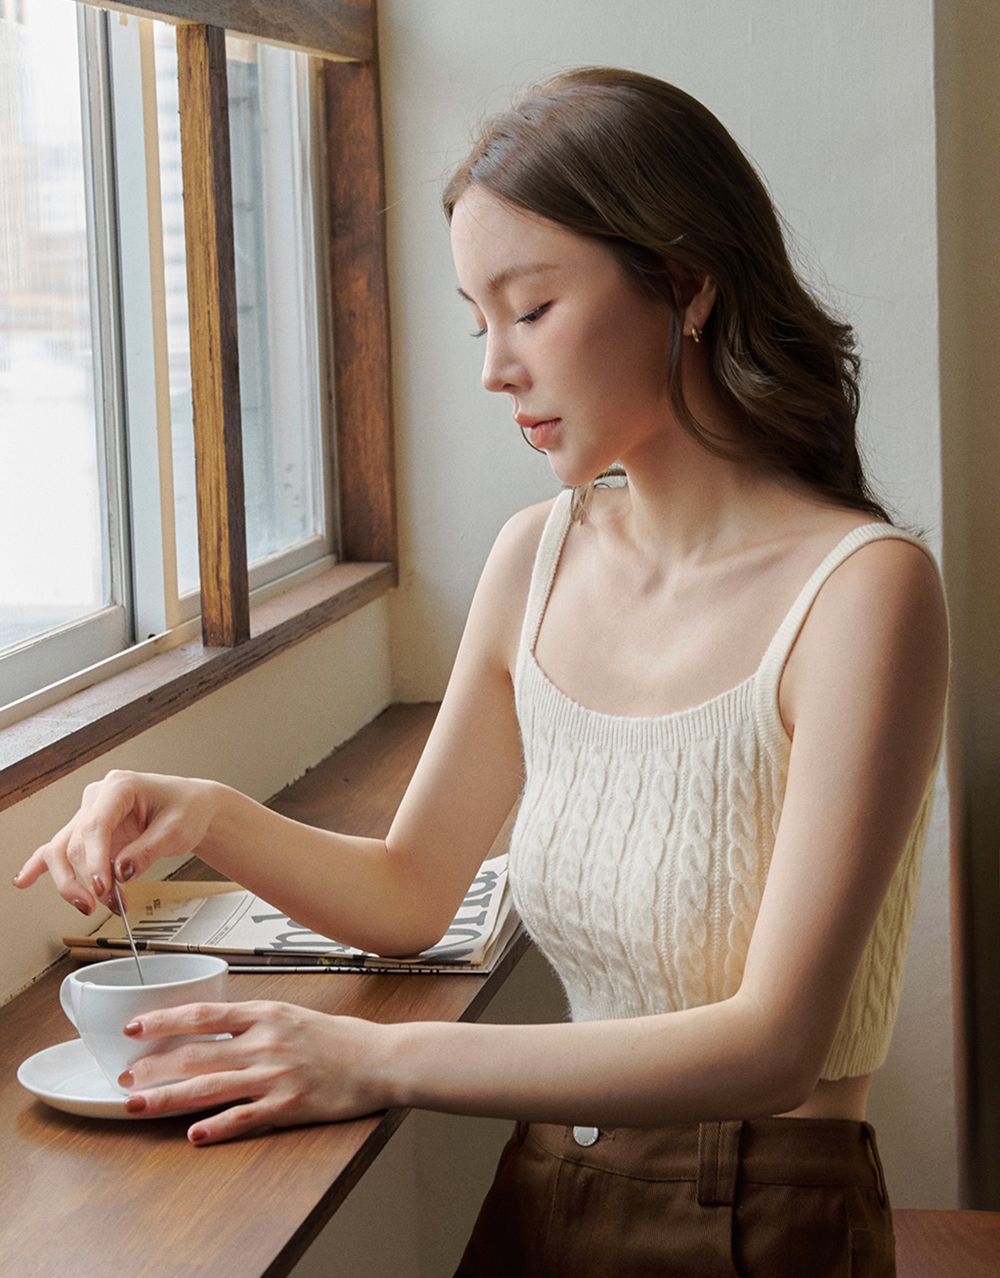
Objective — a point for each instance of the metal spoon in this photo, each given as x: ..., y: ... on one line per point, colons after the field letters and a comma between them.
x: 128, y: 930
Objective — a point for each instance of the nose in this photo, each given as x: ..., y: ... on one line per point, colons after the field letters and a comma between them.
x: 501, y: 370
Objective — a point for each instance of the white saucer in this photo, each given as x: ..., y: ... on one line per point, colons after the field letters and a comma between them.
x: 67, y: 1077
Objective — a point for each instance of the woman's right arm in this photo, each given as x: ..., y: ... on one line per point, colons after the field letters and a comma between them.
x: 391, y: 896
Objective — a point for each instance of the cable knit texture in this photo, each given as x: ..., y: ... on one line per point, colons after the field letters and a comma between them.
x: 642, y: 845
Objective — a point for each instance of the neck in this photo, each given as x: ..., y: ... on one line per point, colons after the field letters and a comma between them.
x: 685, y: 503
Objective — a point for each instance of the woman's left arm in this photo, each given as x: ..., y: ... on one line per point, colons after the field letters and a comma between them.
x: 863, y: 698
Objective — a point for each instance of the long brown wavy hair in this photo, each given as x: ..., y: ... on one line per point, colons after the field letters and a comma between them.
x: 643, y: 167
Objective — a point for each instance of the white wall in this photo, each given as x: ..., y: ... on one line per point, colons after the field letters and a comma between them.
x: 835, y: 104
x: 257, y: 734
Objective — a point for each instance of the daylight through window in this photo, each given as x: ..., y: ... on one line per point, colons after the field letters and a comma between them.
x: 97, y: 498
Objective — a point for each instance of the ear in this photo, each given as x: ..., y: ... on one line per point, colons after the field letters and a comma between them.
x: 700, y: 306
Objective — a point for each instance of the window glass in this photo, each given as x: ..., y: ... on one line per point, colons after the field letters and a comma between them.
x: 98, y: 524
x: 276, y: 299
x: 54, y: 567
x: 175, y: 277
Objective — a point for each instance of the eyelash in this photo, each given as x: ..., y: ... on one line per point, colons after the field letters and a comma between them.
x: 528, y: 317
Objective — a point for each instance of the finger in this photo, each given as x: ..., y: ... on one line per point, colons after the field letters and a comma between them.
x: 240, y: 1120
x: 137, y: 856
x: 207, y: 1091
x: 111, y: 901
x: 38, y: 862
x: 113, y: 830
x: 166, y: 835
x: 49, y: 857
x: 195, y: 1018
x: 33, y: 868
x: 125, y: 866
x: 106, y: 806
x: 70, y: 888
x: 186, y: 1061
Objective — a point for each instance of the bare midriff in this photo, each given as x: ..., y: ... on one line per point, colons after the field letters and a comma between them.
x: 836, y: 1098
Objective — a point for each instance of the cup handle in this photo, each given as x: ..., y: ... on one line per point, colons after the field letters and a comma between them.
x: 66, y: 998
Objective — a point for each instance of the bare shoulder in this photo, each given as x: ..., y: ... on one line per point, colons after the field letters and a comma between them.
x: 884, y: 584
x: 502, y: 594
x: 517, y: 541
x: 879, y: 623
x: 508, y: 569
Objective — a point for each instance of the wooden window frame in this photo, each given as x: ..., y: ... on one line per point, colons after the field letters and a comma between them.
x: 235, y: 636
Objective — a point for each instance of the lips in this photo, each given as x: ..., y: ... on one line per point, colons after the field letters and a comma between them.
x: 539, y: 431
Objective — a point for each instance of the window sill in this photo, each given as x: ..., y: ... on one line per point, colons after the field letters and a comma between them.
x: 53, y: 742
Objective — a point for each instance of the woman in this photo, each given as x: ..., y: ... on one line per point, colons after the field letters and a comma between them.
x: 717, y: 690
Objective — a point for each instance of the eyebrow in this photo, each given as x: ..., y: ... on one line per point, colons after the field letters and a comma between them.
x: 496, y: 282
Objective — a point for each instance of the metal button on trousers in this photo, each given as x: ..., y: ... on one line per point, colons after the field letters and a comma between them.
x: 586, y: 1136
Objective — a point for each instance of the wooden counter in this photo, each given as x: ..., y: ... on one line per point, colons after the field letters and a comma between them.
x: 86, y: 1198
x: 947, y: 1244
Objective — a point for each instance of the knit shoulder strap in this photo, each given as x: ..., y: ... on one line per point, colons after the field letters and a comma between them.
x: 544, y: 571
x: 773, y: 663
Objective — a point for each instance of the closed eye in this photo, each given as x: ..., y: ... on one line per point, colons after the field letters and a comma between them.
x: 529, y: 317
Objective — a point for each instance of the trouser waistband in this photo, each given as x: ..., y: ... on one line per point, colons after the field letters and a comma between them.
x: 776, y: 1151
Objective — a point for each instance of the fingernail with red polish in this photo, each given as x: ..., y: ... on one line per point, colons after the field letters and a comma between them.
x: 126, y: 870
x: 135, y: 1105
x: 197, y: 1135
x: 15, y: 878
x: 82, y: 905
x: 133, y: 1028
x: 126, y: 1079
x: 99, y: 886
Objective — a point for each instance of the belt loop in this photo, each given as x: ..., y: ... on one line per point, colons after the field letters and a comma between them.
x: 718, y: 1162
x: 876, y: 1162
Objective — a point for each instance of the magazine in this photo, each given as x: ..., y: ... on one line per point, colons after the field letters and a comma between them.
x: 225, y: 919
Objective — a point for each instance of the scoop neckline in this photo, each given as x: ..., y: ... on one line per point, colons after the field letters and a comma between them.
x: 747, y: 691
x: 671, y: 716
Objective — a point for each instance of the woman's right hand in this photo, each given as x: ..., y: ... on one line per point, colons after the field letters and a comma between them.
x: 124, y: 824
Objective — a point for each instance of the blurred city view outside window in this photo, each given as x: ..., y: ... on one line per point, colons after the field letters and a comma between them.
x: 76, y: 518
x: 276, y: 294
x: 53, y: 542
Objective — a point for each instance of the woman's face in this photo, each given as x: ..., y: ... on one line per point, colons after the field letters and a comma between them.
x: 581, y: 354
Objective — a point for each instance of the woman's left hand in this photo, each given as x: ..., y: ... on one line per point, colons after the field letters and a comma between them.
x: 284, y: 1065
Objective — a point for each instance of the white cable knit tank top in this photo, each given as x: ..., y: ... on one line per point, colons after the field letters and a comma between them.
x: 642, y: 845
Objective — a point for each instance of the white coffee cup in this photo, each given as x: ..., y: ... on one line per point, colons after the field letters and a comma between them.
x: 101, y: 999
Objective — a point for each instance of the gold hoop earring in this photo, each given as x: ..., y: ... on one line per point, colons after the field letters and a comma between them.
x: 696, y: 333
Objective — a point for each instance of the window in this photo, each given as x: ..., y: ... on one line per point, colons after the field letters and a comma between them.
x: 131, y: 434
x: 97, y: 459
x: 274, y: 163
x: 59, y: 571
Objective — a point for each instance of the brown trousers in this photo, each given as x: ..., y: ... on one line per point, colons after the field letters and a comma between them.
x: 768, y: 1198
